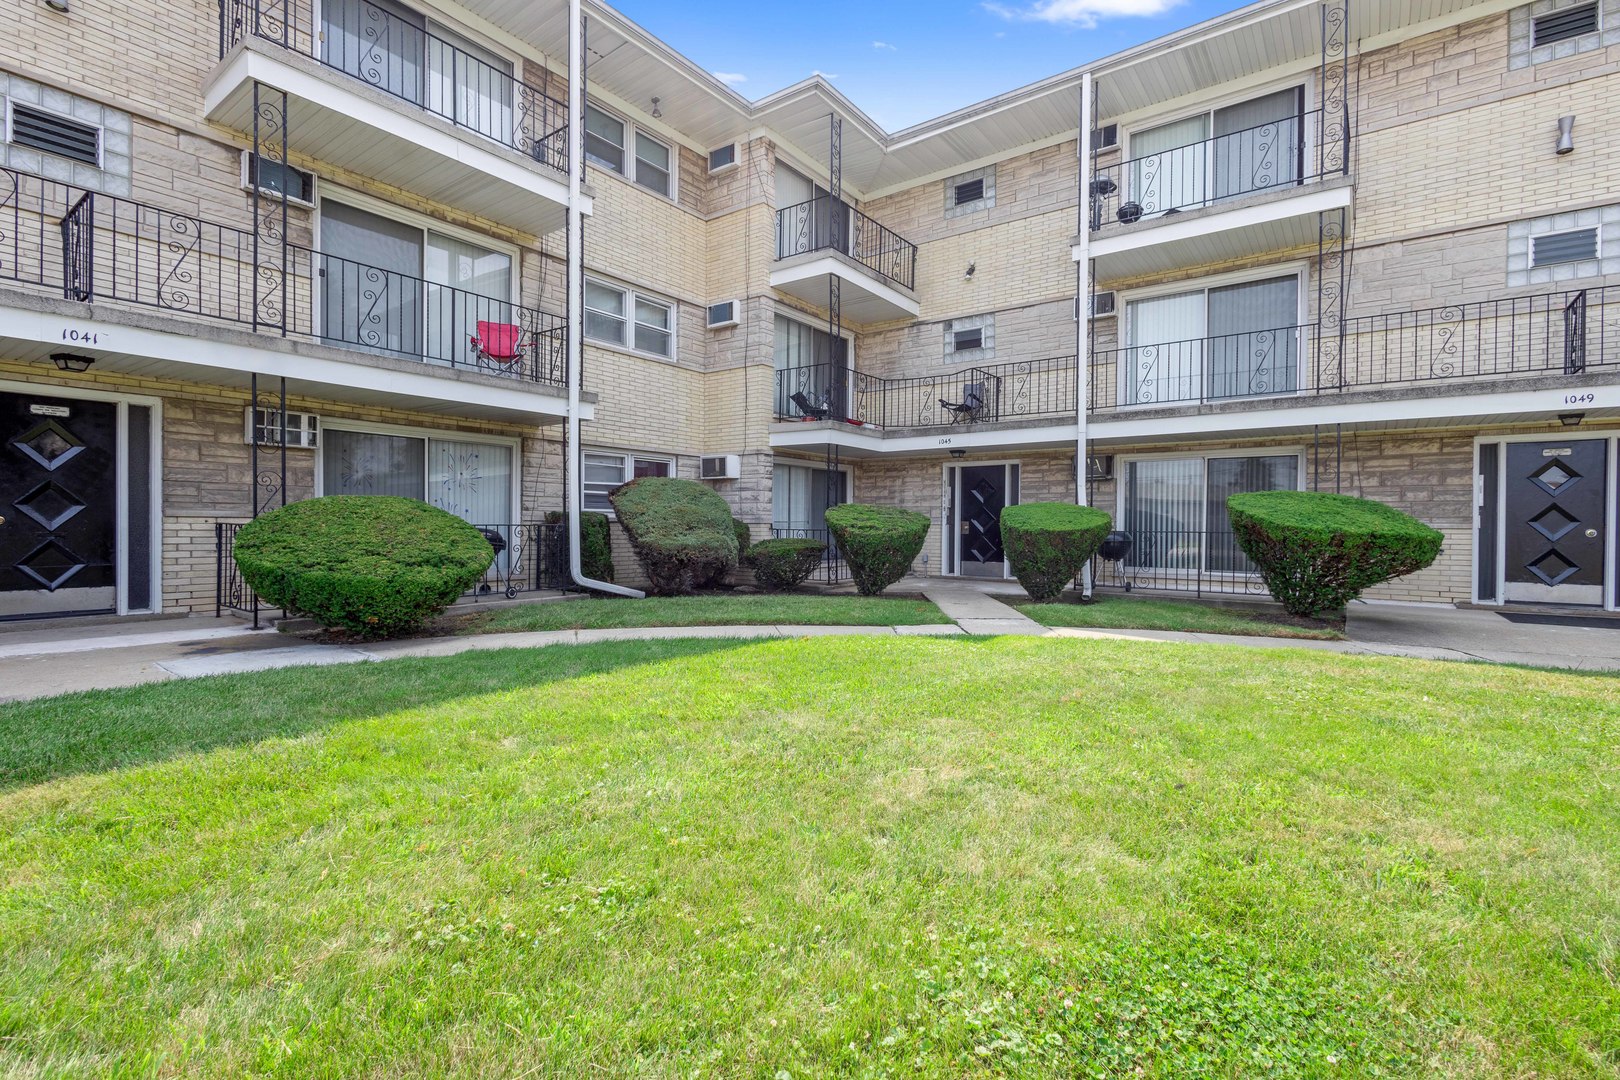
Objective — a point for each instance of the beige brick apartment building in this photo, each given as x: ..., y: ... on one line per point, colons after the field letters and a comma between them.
x: 257, y: 250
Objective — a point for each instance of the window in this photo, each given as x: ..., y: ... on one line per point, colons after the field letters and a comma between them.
x: 1175, y: 508
x: 604, y: 139
x: 1105, y: 137
x: 971, y: 191
x: 1564, y: 247
x: 651, y: 165
x: 602, y: 472
x: 55, y: 134
x: 1251, y: 146
x: 274, y: 177
x: 800, y: 497
x: 1226, y: 341
x: 618, y: 316
x: 1563, y: 25
x: 472, y: 480
x: 967, y: 340
x: 722, y: 157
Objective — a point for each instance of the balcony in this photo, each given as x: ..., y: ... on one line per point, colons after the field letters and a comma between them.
x: 825, y: 238
x: 1527, y: 355
x: 1234, y: 195
x: 205, y: 299
x: 389, y: 98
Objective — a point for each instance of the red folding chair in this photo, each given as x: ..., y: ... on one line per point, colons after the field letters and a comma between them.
x: 500, y: 344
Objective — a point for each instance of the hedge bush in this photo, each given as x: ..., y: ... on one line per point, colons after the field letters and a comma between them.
x: 681, y: 530
x: 1316, y: 552
x: 1049, y: 543
x: 878, y: 542
x: 376, y: 565
x: 739, y: 529
x: 595, y: 543
x: 785, y: 563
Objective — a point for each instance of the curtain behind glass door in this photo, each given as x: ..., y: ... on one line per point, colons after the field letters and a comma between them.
x: 371, y: 283
x: 363, y: 463
x: 1164, y: 512
x: 376, y: 41
x: 1253, y: 341
x: 1258, y: 144
x: 806, y: 363
x: 1235, y: 476
x: 466, y: 285
x: 469, y: 84
x: 1164, y: 361
x: 1168, y: 165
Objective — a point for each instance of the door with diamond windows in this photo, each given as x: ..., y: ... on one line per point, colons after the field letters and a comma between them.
x: 58, y: 507
x: 978, y: 494
x: 1555, y: 521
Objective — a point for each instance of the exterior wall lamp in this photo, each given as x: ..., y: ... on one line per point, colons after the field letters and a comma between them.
x: 1571, y: 419
x: 66, y: 361
x: 1566, y: 135
x: 57, y: 5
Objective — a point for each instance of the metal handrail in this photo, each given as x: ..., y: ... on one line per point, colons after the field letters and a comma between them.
x: 827, y: 224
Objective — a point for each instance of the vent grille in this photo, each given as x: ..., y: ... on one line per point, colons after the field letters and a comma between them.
x: 971, y: 191
x: 1564, y: 247
x: 1569, y: 23
x: 56, y: 135
x: 964, y: 340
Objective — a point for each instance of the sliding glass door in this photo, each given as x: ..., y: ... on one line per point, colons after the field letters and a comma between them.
x: 1175, y: 509
x: 808, y: 364
x: 1233, y: 150
x: 472, y: 480
x: 1228, y: 341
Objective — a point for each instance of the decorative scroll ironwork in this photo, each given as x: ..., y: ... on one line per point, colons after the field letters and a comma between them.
x: 269, y: 480
x: 835, y: 300
x: 1193, y: 561
x: 1575, y: 334
x: 269, y: 213
x: 833, y: 569
x: 231, y: 593
x: 1332, y: 271
x: 524, y: 558
x: 826, y: 224
x: 1333, y: 140
x: 78, y: 249
x: 271, y: 20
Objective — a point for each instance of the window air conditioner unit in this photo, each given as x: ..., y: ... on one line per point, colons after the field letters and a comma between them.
x: 1100, y: 466
x: 263, y: 426
x: 1101, y: 304
x: 722, y: 314
x: 721, y: 467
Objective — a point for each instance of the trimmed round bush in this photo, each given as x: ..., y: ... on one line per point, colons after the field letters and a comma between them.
x: 375, y: 565
x: 878, y: 542
x: 595, y: 543
x: 681, y: 530
x: 739, y: 528
x: 1317, y: 552
x: 785, y: 563
x: 1049, y: 543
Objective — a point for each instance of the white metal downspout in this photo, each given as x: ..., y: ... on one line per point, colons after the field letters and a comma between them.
x: 576, y: 290
x: 1082, y: 301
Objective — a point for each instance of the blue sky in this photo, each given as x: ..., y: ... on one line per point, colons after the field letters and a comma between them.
x: 904, y: 61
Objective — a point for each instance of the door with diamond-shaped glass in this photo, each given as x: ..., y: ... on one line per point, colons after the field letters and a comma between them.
x: 1555, y: 504
x: 58, y: 506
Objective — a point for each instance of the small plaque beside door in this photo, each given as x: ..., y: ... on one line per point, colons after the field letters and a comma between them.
x: 50, y: 410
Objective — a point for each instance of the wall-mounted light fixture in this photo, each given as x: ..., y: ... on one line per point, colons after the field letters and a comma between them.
x: 1566, y: 135
x: 66, y: 361
x: 57, y: 5
x: 658, y: 114
x: 1571, y: 419
x: 972, y: 269
x: 958, y: 453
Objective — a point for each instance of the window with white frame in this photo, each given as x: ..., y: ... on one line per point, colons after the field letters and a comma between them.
x: 615, y: 315
x: 1222, y: 341
x: 1174, y: 509
x: 470, y: 479
x: 602, y: 471
x: 633, y: 154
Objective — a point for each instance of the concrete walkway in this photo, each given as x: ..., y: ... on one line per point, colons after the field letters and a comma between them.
x: 45, y: 660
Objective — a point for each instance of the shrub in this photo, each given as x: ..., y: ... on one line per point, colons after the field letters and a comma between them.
x: 373, y: 564
x: 1048, y: 543
x: 595, y: 543
x: 680, y: 529
x: 739, y: 528
x: 1316, y: 552
x: 785, y: 563
x: 878, y: 542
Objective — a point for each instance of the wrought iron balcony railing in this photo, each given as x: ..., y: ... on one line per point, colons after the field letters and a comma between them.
x: 1279, y: 154
x: 1548, y: 334
x: 833, y: 570
x: 826, y: 224
x: 1153, y: 553
x: 410, y: 62
x: 93, y: 247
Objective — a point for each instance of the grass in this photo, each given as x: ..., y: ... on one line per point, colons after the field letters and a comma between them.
x: 748, y: 610
x: 855, y: 857
x: 1111, y: 612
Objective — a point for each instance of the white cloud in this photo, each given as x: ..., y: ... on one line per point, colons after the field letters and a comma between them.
x: 884, y: 46
x: 730, y: 78
x: 1081, y: 13
x: 825, y: 75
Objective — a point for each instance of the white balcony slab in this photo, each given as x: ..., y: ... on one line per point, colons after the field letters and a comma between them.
x: 335, y: 118
x: 866, y: 296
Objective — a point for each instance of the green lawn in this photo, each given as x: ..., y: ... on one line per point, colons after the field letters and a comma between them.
x: 748, y: 610
x: 826, y: 857
x: 1112, y: 612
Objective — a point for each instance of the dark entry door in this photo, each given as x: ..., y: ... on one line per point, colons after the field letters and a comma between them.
x: 58, y: 496
x: 978, y: 515
x: 1555, y: 521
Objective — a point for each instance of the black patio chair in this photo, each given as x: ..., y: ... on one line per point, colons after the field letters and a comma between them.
x: 810, y: 408
x: 970, y: 408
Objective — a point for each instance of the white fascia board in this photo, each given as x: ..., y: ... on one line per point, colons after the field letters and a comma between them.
x: 207, y: 355
x: 829, y: 264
